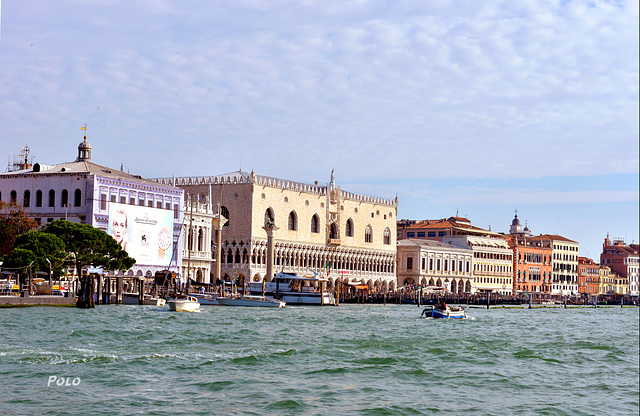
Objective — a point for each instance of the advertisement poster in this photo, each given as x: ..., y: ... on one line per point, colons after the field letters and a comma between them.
x: 145, y: 233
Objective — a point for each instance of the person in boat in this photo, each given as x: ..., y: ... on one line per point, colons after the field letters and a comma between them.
x: 442, y: 306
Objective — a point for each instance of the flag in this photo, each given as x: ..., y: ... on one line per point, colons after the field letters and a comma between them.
x: 328, y: 267
x: 83, y: 128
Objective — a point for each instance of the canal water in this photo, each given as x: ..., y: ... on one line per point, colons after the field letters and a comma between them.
x: 346, y: 360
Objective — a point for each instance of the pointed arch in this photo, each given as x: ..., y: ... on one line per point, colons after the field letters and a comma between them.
x: 349, y: 228
x: 293, y: 221
x: 368, y: 234
x: 315, y: 223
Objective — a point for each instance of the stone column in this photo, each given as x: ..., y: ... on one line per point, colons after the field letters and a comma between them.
x: 269, y: 228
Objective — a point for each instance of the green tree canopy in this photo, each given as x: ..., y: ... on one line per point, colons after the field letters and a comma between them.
x: 89, y: 246
x: 19, y: 257
x: 45, y: 247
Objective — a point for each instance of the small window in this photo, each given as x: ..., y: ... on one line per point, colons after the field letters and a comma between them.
x: 103, y: 201
x: 52, y: 198
x: 409, y: 263
x: 38, y: 198
x: 387, y: 236
x: 431, y: 234
x: 421, y: 234
x: 411, y: 234
x: 442, y: 233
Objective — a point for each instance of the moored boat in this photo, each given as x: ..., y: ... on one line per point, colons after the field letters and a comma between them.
x: 185, y: 304
x: 251, y: 301
x: 297, y: 290
x: 206, y: 299
x: 454, y: 312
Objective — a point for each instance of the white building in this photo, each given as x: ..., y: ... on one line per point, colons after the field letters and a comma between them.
x: 433, y: 263
x: 144, y: 216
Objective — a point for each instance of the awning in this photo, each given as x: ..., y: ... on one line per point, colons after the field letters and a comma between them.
x: 362, y: 287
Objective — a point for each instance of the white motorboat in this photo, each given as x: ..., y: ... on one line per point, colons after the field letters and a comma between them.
x: 206, y: 299
x: 251, y: 301
x: 297, y: 290
x: 132, y: 299
x: 184, y: 304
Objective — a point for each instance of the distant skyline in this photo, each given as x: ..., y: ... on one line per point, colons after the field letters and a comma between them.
x: 476, y: 107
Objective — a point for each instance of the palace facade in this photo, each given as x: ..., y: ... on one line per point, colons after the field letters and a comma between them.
x: 316, y: 228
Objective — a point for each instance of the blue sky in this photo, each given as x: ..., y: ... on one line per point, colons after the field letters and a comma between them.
x: 475, y: 107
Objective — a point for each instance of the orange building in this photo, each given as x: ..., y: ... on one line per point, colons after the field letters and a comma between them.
x: 588, y: 276
x: 532, y: 270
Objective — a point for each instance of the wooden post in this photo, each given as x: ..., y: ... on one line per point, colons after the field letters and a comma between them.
x: 99, y: 297
x: 488, y: 300
x: 141, y: 291
x: 321, y: 293
x: 338, y: 287
x: 119, y: 287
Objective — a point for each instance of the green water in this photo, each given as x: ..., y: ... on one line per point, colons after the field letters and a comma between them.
x: 351, y: 359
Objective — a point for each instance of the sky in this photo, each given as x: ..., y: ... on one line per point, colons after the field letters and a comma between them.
x: 457, y: 107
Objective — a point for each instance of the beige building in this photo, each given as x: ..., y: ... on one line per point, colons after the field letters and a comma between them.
x: 318, y: 228
x: 433, y: 263
x: 492, y: 262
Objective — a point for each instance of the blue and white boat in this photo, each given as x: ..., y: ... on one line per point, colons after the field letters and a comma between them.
x: 455, y: 312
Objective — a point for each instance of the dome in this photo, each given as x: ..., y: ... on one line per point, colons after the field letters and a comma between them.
x: 515, y: 221
x: 84, y: 144
x: 84, y: 151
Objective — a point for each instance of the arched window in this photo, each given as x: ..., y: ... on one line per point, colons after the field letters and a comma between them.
x: 14, y: 197
x: 315, y: 224
x: 387, y: 236
x: 200, y: 239
x: 293, y: 221
x: 38, y: 198
x: 190, y: 240
x: 26, y: 199
x: 349, y: 228
x: 77, y: 198
x: 333, y: 231
x: 368, y: 234
x: 225, y: 213
x: 269, y: 218
x: 52, y: 198
x: 64, y: 200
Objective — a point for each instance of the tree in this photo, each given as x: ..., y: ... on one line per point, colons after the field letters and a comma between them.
x: 89, y: 246
x: 48, y: 250
x: 13, y: 222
